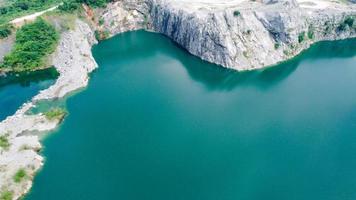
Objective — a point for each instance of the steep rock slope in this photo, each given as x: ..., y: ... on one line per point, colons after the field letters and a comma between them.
x: 238, y: 34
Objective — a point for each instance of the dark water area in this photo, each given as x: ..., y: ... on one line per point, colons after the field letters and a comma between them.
x: 16, y: 89
x: 156, y: 123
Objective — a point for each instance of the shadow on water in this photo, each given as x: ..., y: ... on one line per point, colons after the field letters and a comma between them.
x: 16, y: 89
x: 25, y: 79
x: 219, y: 78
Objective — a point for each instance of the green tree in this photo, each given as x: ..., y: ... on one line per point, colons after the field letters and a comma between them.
x: 33, y: 43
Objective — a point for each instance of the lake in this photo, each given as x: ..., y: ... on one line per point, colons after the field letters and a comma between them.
x: 15, y: 90
x: 156, y: 123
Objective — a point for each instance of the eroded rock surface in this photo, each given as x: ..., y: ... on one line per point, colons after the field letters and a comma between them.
x: 238, y: 34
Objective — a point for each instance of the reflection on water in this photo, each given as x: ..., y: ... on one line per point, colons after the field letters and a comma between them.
x: 219, y: 78
x: 17, y: 89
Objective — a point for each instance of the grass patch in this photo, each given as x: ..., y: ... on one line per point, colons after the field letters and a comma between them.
x: 34, y: 41
x: 55, y: 114
x: 6, y: 195
x: 20, y: 175
x: 4, y: 142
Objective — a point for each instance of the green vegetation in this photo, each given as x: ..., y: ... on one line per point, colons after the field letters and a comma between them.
x: 5, y: 30
x: 348, y: 22
x: 328, y: 28
x: 101, y: 35
x: 33, y: 43
x: 18, y: 8
x: 20, y: 175
x: 237, y: 13
x: 245, y: 53
x: 55, y: 114
x: 301, y: 37
x: 276, y: 45
x: 311, y: 33
x: 4, y: 142
x: 101, y: 21
x: 6, y: 195
x: 72, y: 5
x: 69, y: 6
x: 97, y: 35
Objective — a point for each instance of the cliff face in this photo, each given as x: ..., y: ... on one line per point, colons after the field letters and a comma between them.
x: 238, y: 34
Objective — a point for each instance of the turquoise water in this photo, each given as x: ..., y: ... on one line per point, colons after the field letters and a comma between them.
x: 16, y: 90
x: 156, y: 123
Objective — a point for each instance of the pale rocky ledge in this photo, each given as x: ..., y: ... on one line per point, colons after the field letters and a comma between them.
x: 237, y: 34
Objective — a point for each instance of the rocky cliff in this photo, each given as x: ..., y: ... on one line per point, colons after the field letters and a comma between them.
x: 237, y: 34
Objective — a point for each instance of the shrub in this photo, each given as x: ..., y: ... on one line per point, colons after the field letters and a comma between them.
x: 69, y: 6
x: 301, y: 37
x: 311, y: 33
x: 17, y: 8
x: 5, y: 30
x: 4, y: 142
x: 6, y: 195
x: 33, y: 43
x: 276, y: 45
x: 95, y: 3
x: 97, y: 35
x: 349, y: 21
x: 237, y: 13
x: 20, y: 175
x: 101, y: 21
x: 55, y: 114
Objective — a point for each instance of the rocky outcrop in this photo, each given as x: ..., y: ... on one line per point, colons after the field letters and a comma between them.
x: 240, y: 34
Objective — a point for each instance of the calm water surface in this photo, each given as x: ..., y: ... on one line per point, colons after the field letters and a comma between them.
x: 16, y: 90
x: 156, y: 123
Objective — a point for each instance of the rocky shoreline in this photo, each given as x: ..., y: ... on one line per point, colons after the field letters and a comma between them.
x: 74, y: 62
x: 243, y: 36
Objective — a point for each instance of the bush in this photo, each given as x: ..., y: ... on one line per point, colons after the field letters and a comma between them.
x: 5, y: 30
x: 69, y: 6
x: 95, y: 3
x: 348, y: 22
x: 55, y: 114
x: 33, y: 43
x: 276, y: 45
x: 4, y: 142
x: 311, y: 33
x: 301, y: 37
x: 97, y: 35
x: 20, y: 175
x: 6, y: 195
x: 237, y: 13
